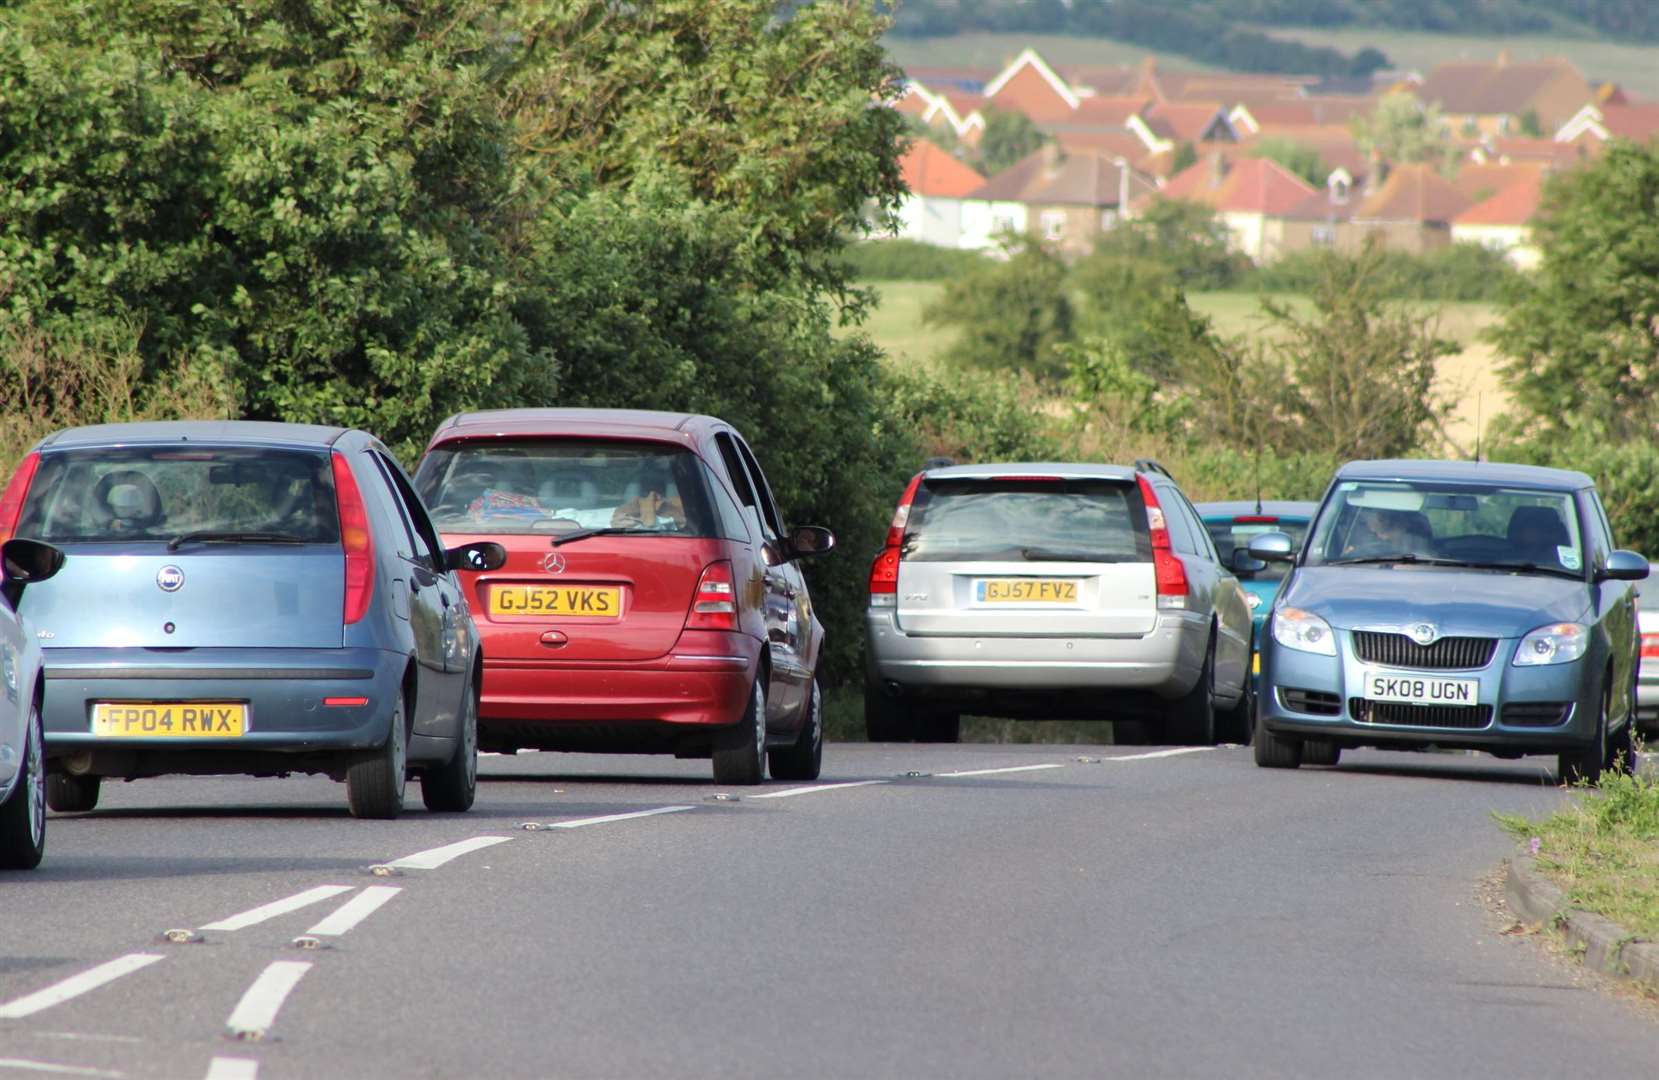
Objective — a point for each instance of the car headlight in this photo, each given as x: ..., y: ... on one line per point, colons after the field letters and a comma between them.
x: 1558, y: 643
x: 1297, y: 629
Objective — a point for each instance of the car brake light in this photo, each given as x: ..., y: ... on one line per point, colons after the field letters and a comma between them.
x: 714, y: 607
x: 1170, y: 575
x: 356, y: 538
x: 884, y: 571
x: 1256, y: 519
x: 1650, y: 646
x: 11, y: 502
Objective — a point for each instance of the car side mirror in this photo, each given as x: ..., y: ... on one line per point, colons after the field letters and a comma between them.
x: 26, y: 562
x: 476, y: 556
x: 1272, y: 547
x: 810, y: 540
x: 1244, y: 563
x: 1624, y: 566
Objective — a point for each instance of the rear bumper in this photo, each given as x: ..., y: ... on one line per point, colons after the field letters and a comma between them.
x: 1647, y: 698
x: 284, y: 690
x: 1164, y: 662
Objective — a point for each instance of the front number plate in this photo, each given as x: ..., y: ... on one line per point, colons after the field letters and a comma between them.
x: 1025, y: 591
x: 1419, y: 690
x: 561, y: 600
x: 177, y: 720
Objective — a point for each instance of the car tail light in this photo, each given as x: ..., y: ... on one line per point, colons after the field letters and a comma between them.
x: 884, y: 572
x: 1256, y: 519
x: 356, y: 538
x: 714, y: 607
x: 1650, y: 646
x: 11, y: 502
x: 1171, y: 576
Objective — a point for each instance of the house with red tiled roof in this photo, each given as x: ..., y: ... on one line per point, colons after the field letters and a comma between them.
x: 1482, y: 180
x: 1492, y: 97
x: 1268, y: 118
x: 1520, y: 150
x: 1030, y: 86
x: 1062, y: 199
x: 1503, y: 222
x: 1412, y: 210
x: 936, y: 181
x: 1598, y: 123
x: 1248, y: 195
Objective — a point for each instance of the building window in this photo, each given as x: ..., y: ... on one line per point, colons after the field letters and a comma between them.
x: 1108, y: 220
x: 1323, y: 235
x: 1054, y: 224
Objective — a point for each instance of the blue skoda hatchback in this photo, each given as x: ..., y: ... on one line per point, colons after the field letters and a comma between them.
x: 251, y: 598
x: 1464, y: 605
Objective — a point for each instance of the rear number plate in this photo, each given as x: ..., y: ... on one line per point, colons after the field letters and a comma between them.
x: 1417, y: 690
x: 561, y: 600
x: 1025, y: 591
x: 179, y: 720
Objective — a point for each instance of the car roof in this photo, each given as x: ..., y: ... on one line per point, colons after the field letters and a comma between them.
x: 608, y: 423
x: 1282, y: 508
x: 1476, y: 472
x: 1066, y: 470
x: 210, y: 431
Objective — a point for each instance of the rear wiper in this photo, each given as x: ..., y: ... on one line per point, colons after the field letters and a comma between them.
x: 583, y: 534
x: 211, y: 537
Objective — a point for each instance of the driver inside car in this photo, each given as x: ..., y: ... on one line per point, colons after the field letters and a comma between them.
x: 1380, y: 533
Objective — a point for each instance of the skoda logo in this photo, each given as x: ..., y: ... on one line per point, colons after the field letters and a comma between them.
x: 1424, y: 633
x: 170, y: 579
x: 553, y: 563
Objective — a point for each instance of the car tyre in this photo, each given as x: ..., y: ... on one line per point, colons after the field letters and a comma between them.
x: 374, y: 787
x: 802, y: 759
x: 1320, y: 752
x: 886, y: 718
x: 740, y: 750
x: 1190, y: 720
x: 1272, y: 751
x: 72, y: 794
x: 1233, y: 726
x: 452, y: 786
x: 23, y: 814
x: 1584, y: 766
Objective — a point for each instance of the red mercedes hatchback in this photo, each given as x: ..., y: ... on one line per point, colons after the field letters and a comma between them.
x: 650, y: 602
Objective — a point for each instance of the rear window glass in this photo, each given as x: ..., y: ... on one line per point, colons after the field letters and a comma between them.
x: 1031, y: 520
x: 553, y: 486
x: 1231, y: 536
x: 159, y: 493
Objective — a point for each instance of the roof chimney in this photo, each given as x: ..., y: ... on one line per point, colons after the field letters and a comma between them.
x: 1218, y: 170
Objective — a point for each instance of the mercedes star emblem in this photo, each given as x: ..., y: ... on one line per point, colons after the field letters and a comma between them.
x: 553, y: 563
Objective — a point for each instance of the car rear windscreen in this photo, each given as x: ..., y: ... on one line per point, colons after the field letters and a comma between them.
x: 562, y: 485
x: 1230, y: 536
x: 1080, y: 520
x: 164, y: 492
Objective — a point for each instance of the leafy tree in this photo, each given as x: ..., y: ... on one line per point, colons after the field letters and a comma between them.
x: 1009, y: 315
x: 1530, y: 124
x: 1008, y: 137
x: 1185, y: 237
x: 1581, y: 332
x: 1299, y: 158
x: 1403, y: 129
x: 1185, y: 157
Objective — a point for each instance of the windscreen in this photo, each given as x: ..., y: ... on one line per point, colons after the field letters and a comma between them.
x: 1235, y: 535
x: 565, y: 485
x: 961, y: 520
x: 164, y: 492
x: 1526, y: 529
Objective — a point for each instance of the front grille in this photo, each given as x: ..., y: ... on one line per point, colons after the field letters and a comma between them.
x: 1313, y: 702
x: 1463, y: 717
x: 1447, y: 654
x: 1537, y: 713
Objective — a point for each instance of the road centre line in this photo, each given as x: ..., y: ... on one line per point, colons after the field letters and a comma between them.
x: 582, y: 823
x: 1160, y: 753
x: 227, y: 1068
x: 792, y: 792
x: 436, y: 857
x: 355, y: 910
x: 992, y: 772
x: 257, y: 1011
x: 23, y: 1065
x: 76, y: 985
x: 254, y: 916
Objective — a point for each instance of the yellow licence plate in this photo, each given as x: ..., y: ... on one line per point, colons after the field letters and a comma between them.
x: 1025, y: 591
x: 565, y: 601
x: 154, y: 719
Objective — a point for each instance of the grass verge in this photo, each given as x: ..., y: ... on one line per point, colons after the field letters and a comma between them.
x: 1603, y: 850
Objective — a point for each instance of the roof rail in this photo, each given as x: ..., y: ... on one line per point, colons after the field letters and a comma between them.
x: 1147, y: 464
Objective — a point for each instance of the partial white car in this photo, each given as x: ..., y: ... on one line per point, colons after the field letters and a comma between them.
x: 22, y: 749
x: 1647, y: 673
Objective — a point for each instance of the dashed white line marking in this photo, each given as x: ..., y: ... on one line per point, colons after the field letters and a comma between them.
x: 436, y: 857
x: 792, y: 792
x: 993, y: 772
x: 263, y: 912
x: 225, y: 1068
x: 355, y: 910
x: 76, y: 985
x: 1160, y: 753
x: 582, y: 823
x: 257, y: 1011
x: 55, y: 1070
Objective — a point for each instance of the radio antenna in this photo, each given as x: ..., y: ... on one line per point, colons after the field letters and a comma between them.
x: 1478, y: 424
x: 1258, y: 470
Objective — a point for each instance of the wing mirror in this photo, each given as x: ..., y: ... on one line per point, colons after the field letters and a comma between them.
x: 803, y: 540
x: 1272, y: 547
x: 1245, y: 563
x: 26, y: 562
x: 476, y: 556
x: 1624, y: 566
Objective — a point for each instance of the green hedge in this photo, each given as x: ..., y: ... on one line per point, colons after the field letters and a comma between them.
x: 907, y: 260
x: 1459, y: 272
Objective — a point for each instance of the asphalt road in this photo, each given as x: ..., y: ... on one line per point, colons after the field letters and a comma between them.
x: 1138, y: 913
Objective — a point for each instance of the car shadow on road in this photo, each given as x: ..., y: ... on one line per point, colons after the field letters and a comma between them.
x: 215, y: 810
x: 79, y: 868
x: 1497, y: 773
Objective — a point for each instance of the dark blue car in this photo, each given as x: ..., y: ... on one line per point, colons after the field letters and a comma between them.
x: 1453, y: 604
x: 247, y: 598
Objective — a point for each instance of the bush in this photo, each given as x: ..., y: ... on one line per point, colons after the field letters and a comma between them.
x: 1010, y: 315
x: 907, y: 260
x: 1462, y: 272
x: 1626, y: 473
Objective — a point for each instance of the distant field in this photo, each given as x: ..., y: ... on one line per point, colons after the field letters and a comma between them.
x: 1468, y: 378
x: 994, y: 50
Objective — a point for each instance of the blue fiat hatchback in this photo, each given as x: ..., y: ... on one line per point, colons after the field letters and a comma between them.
x: 251, y: 598
x: 1453, y: 604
